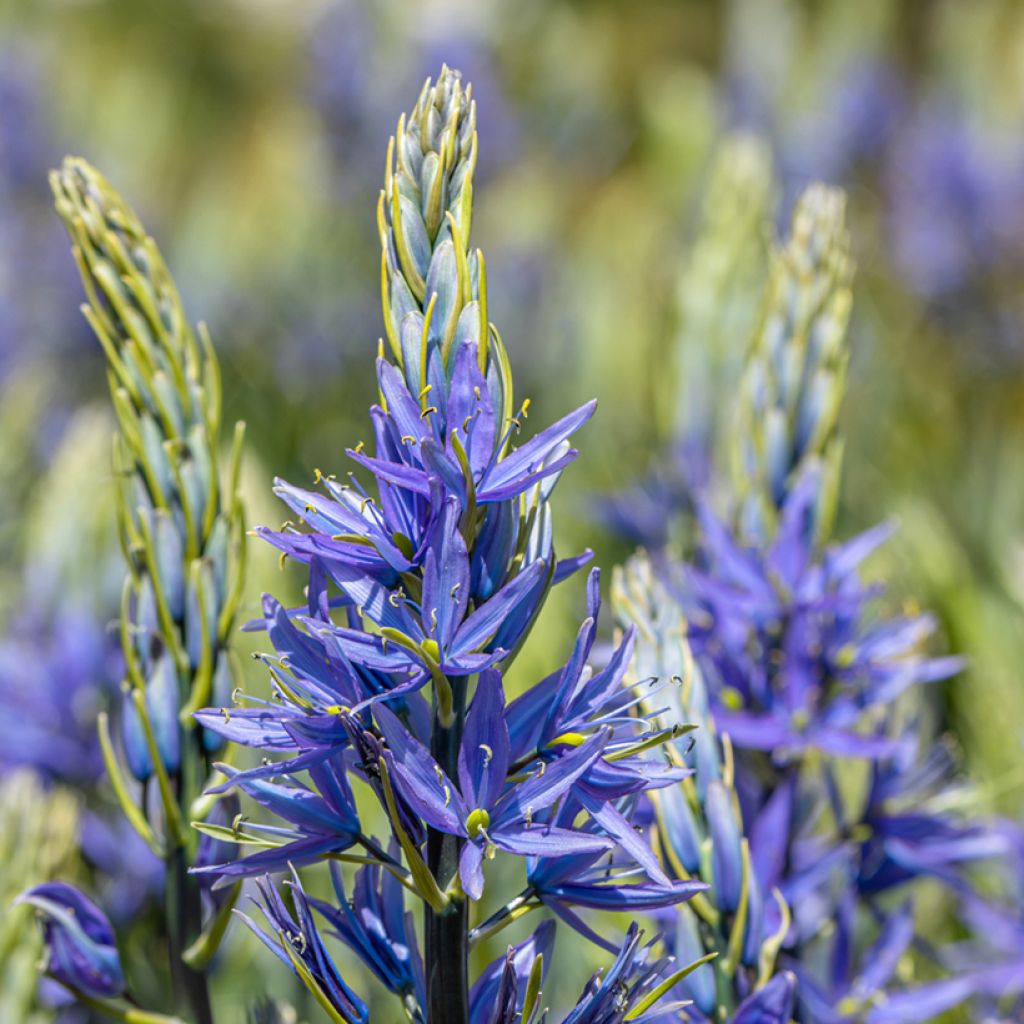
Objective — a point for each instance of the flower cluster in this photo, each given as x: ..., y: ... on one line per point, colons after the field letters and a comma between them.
x: 749, y: 764
x: 177, y: 527
x: 815, y: 694
x: 392, y: 676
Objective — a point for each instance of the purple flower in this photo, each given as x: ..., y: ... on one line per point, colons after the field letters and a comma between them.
x: 908, y: 832
x: 295, y: 941
x: 322, y: 821
x: 56, y: 674
x: 601, y: 880
x: 499, y: 994
x: 482, y: 807
x: 772, y: 1004
x: 81, y: 951
x: 792, y: 656
x: 630, y: 990
x: 374, y: 925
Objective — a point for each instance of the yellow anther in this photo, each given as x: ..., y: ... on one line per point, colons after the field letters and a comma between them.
x: 845, y: 656
x: 477, y: 823
x: 568, y: 739
x: 488, y: 754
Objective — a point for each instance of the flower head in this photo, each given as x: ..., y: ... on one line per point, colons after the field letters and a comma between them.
x: 793, y: 656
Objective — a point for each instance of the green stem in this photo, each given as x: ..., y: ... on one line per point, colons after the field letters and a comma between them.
x: 183, y: 926
x: 446, y: 932
x: 184, y: 904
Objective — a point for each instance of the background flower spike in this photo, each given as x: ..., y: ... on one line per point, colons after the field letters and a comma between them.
x: 793, y: 382
x: 180, y: 521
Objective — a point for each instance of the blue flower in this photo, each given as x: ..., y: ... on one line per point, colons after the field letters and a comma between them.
x: 575, y: 701
x: 296, y: 942
x: 482, y: 808
x: 375, y: 926
x: 427, y: 453
x: 792, y: 657
x: 772, y: 1004
x: 81, y: 950
x: 908, y: 833
x: 630, y: 990
x: 601, y: 880
x: 986, y: 971
x: 499, y: 994
x: 323, y: 820
x: 56, y: 674
x: 855, y: 977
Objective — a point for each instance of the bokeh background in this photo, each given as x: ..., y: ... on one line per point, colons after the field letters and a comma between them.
x: 250, y: 135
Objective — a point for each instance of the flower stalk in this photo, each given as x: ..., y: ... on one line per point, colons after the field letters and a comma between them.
x: 180, y: 520
x: 420, y: 593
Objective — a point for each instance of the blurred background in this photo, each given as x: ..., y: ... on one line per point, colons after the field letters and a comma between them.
x: 250, y: 136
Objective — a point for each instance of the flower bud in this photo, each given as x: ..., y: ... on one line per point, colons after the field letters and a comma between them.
x: 80, y: 948
x: 726, y: 850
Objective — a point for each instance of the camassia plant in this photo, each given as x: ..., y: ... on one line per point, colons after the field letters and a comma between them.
x: 427, y: 568
x: 180, y: 522
x: 746, y: 766
x: 824, y: 814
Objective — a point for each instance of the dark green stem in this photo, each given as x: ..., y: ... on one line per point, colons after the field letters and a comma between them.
x: 446, y: 933
x: 184, y: 901
x: 184, y: 922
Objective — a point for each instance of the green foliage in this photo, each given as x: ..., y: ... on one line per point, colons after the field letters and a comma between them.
x: 38, y: 843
